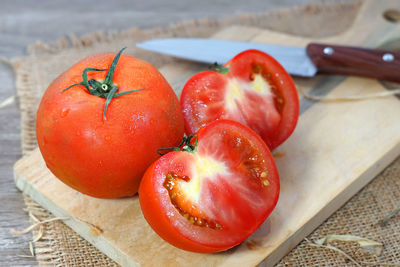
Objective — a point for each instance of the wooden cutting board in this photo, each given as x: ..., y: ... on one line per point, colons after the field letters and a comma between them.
x: 336, y: 149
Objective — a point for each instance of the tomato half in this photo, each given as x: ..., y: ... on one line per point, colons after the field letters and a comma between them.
x: 214, y: 196
x: 104, y: 153
x: 256, y: 91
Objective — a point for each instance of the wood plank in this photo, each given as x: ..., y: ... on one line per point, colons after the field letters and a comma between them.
x: 12, y: 214
x: 335, y: 150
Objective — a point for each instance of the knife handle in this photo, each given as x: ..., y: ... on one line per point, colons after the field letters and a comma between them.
x: 347, y: 60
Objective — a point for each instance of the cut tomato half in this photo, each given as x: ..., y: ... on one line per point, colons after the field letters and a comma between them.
x: 255, y: 91
x: 215, y: 193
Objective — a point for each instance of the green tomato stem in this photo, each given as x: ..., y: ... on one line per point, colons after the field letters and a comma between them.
x: 218, y: 68
x: 185, y: 145
x: 105, y: 89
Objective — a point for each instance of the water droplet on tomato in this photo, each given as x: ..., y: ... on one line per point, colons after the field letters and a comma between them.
x: 64, y: 112
x: 107, y: 138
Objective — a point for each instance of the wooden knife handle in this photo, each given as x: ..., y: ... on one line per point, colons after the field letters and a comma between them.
x: 347, y: 60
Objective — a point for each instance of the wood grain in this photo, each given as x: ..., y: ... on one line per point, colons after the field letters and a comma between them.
x: 336, y: 149
x: 348, y: 60
x: 12, y: 214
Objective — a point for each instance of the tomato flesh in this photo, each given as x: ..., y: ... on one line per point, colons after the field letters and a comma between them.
x: 256, y: 91
x: 214, y: 198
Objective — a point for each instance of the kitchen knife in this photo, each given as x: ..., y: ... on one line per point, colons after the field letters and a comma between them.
x: 299, y: 61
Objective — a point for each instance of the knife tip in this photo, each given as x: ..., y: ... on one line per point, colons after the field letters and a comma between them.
x: 141, y: 44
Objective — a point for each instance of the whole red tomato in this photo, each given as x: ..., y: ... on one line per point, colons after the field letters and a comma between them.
x: 98, y: 132
x: 252, y: 88
x: 213, y: 194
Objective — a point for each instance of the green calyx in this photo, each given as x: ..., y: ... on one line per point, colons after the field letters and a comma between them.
x: 218, y: 68
x: 185, y: 145
x: 105, y: 89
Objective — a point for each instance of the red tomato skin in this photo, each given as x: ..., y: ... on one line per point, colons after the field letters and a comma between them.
x: 191, y: 118
x: 106, y: 159
x: 240, y: 67
x: 155, y: 213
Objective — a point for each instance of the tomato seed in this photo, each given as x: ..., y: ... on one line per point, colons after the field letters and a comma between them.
x: 257, y: 68
x: 175, y: 195
x: 279, y: 101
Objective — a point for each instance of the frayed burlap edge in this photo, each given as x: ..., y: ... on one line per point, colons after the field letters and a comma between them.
x: 60, y: 246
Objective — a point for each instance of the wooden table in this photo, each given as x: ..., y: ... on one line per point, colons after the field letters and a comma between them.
x: 24, y: 22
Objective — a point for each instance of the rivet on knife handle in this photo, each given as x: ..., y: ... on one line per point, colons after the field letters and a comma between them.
x: 347, y: 60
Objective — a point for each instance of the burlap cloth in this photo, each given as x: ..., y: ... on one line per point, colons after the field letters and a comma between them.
x: 60, y: 245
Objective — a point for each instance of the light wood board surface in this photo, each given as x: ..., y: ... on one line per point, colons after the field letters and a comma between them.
x: 25, y: 22
x: 335, y: 150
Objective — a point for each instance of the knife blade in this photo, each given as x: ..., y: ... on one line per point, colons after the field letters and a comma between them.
x: 298, y: 61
